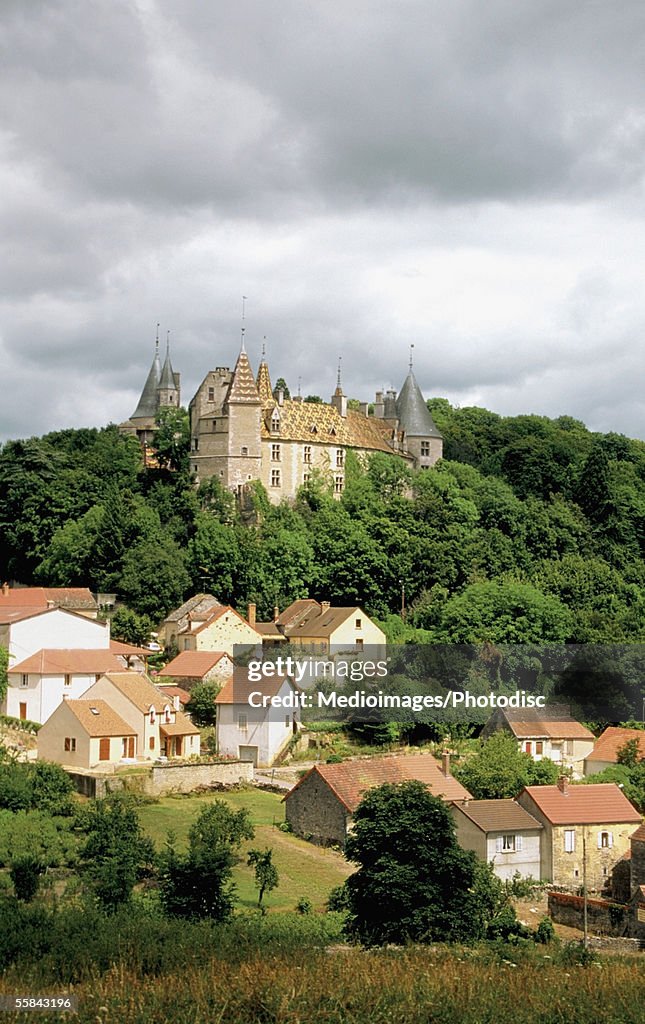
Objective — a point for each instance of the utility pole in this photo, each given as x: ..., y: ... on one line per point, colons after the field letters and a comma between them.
x: 584, y: 889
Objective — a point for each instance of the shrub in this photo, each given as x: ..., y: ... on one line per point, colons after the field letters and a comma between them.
x: 304, y: 905
x: 545, y: 932
x: 25, y: 874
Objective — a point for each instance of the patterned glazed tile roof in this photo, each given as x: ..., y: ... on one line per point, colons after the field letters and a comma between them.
x: 263, y: 383
x: 593, y: 804
x: 498, y: 815
x: 323, y: 424
x: 69, y: 662
x: 242, y: 389
x: 350, y: 780
x: 98, y: 719
x: 612, y: 739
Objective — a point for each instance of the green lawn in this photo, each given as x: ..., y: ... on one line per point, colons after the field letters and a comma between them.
x: 304, y: 869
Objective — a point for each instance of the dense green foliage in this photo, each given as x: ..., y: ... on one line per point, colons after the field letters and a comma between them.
x: 115, y: 853
x: 530, y: 529
x: 499, y: 770
x: 414, y: 882
x: 202, y: 707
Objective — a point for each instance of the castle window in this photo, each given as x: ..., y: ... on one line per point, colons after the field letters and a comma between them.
x: 338, y: 485
x: 214, y: 424
x: 425, y: 449
x: 307, y: 453
x: 211, y: 394
x: 195, y: 444
x: 245, y: 450
x: 275, y: 477
x: 306, y: 478
x: 275, y: 423
x: 275, y: 453
x: 340, y: 458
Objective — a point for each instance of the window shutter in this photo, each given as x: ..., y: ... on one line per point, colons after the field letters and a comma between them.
x: 611, y: 839
x: 518, y: 842
x: 498, y: 844
x: 599, y: 840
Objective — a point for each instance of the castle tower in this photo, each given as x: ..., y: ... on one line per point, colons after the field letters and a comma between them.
x: 243, y: 412
x: 147, y: 406
x: 422, y: 440
x: 338, y: 399
x: 168, y: 393
x: 263, y: 382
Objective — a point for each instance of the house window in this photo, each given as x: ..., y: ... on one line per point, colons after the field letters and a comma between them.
x: 67, y: 681
x: 568, y: 747
x: 360, y: 643
x: 307, y: 454
x: 508, y: 844
x: 275, y: 453
x: 275, y: 477
x: 569, y: 840
x: 605, y: 840
x: 151, y: 743
x: 211, y: 398
x: 242, y: 723
x: 70, y: 744
x: 167, y: 716
x: 24, y: 679
x: 359, y: 623
x: 425, y: 449
x: 340, y: 458
x: 528, y: 747
x: 338, y: 485
x: 195, y: 444
x: 152, y: 716
x: 539, y: 747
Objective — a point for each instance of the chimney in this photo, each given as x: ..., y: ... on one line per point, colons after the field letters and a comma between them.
x: 324, y: 607
x: 5, y: 589
x: 280, y: 397
x: 276, y: 613
x: 379, y: 405
x: 251, y: 614
x: 176, y: 703
x: 445, y: 762
x: 365, y: 408
x: 563, y: 785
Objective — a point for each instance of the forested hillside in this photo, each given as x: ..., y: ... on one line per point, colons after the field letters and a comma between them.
x: 530, y: 529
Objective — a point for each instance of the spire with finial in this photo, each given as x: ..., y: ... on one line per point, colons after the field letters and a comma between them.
x: 168, y: 388
x: 339, y: 386
x: 242, y: 345
x: 263, y: 381
x: 411, y: 348
x: 147, y: 404
x: 338, y: 399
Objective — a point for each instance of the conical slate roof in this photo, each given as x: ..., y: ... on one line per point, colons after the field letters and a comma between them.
x: 242, y: 388
x: 147, y: 406
x: 412, y: 411
x: 167, y: 379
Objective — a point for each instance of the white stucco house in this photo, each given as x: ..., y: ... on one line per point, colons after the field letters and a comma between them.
x: 39, y: 683
x: 252, y: 733
x: 501, y: 833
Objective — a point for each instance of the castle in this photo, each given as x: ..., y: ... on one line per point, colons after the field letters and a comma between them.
x: 161, y: 390
x: 243, y: 430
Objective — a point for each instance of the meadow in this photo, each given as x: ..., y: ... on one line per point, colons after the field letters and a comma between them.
x: 305, y: 871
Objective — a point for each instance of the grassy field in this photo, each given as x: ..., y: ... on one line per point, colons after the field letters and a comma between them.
x: 304, y: 869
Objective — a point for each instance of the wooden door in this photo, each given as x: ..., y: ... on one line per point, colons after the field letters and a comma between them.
x: 104, y: 748
x: 178, y: 746
x: 131, y: 746
x: 23, y: 712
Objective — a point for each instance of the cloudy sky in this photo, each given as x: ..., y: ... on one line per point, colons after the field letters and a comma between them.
x: 460, y: 175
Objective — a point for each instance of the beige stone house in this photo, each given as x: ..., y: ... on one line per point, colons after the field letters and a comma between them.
x: 606, y: 747
x: 587, y: 829
x: 241, y: 430
x: 222, y: 631
x: 320, y: 628
x: 197, y: 608
x: 192, y: 667
x: 86, y: 734
x: 501, y: 833
x: 321, y: 806
x: 161, y: 730
x: 546, y: 733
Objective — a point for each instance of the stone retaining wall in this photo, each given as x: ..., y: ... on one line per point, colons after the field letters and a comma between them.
x: 162, y: 779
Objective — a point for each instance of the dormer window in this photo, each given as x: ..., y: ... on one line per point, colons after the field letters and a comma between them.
x: 152, y: 716
x: 275, y: 423
x: 167, y: 717
x: 313, y: 429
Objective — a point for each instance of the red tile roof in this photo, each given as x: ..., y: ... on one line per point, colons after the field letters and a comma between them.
x: 237, y: 688
x: 611, y: 740
x: 53, y: 662
x: 43, y: 597
x: 118, y: 647
x: 174, y: 691
x: 592, y: 804
x: 193, y: 664
x: 638, y: 835
x: 350, y: 780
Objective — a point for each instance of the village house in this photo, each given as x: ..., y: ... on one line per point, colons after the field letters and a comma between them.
x: 217, y: 628
x: 320, y: 628
x: 257, y: 734
x: 545, y: 733
x: 86, y: 734
x: 200, y: 606
x: 37, y: 685
x: 178, y: 697
x: 161, y: 730
x: 72, y: 599
x: 23, y: 631
x: 130, y: 656
x: 606, y: 748
x: 587, y: 829
x: 191, y: 667
x: 321, y: 806
x: 501, y: 833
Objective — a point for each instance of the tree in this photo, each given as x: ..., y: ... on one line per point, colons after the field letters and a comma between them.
x: 500, y: 770
x: 500, y: 612
x: 115, y: 852
x: 414, y: 882
x: 281, y: 385
x: 4, y: 664
x: 25, y: 874
x: 131, y: 628
x: 171, y: 440
x: 202, y: 708
x: 198, y: 884
x: 266, y: 873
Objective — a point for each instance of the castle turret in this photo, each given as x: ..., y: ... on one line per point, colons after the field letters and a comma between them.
x: 338, y: 399
x: 421, y: 438
x: 243, y: 409
x: 168, y: 393
x: 147, y: 406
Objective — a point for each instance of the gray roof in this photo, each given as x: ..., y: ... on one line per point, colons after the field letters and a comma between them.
x: 148, y: 404
x: 167, y: 379
x: 498, y: 815
x: 412, y: 411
